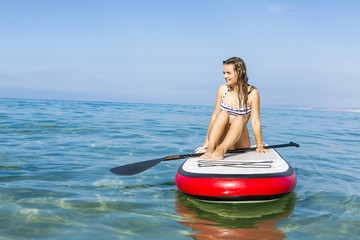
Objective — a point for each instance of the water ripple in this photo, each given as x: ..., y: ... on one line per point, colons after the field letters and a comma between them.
x: 55, y: 181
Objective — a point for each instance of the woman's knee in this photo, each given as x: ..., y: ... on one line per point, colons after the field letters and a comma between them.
x: 239, y: 120
x: 224, y: 115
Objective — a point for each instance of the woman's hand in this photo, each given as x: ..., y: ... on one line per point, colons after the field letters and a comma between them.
x: 261, y: 149
x: 202, y: 148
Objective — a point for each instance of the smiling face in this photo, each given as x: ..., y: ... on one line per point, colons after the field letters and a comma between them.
x: 230, y: 75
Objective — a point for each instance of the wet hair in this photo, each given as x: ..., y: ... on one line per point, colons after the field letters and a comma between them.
x: 242, y: 79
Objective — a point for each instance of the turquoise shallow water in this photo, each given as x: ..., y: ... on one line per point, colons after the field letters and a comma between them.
x: 55, y: 182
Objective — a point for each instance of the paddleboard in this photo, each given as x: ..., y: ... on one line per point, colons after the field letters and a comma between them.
x: 248, y: 176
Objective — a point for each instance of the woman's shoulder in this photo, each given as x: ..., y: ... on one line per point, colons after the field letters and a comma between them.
x: 251, y: 88
x: 253, y: 93
x: 222, y: 89
x: 223, y: 86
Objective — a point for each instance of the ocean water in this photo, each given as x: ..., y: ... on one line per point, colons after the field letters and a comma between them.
x: 55, y: 182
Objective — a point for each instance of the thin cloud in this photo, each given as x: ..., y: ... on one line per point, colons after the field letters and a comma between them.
x: 278, y: 8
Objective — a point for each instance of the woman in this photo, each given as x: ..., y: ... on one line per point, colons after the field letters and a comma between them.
x: 236, y: 102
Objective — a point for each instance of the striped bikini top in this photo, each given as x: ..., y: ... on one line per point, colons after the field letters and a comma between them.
x: 235, y: 111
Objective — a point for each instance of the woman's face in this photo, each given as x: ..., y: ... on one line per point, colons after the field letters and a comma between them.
x: 230, y: 75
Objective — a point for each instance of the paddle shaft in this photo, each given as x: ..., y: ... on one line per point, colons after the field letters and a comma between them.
x: 138, y: 167
x: 176, y: 157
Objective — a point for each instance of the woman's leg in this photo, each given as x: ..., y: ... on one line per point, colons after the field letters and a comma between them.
x: 232, y: 138
x: 217, y: 132
x: 244, y: 141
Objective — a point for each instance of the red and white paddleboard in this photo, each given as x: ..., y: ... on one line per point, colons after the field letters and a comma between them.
x: 248, y: 176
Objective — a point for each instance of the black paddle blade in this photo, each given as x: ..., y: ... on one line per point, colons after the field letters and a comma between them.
x: 135, y: 168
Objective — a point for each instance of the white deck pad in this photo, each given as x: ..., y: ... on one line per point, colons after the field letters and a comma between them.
x: 248, y: 163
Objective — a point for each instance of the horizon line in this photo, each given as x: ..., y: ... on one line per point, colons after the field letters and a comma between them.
x: 288, y: 107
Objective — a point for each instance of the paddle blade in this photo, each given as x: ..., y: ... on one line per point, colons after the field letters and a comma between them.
x: 135, y: 168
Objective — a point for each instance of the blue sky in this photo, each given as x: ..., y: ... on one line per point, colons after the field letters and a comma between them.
x: 303, y: 53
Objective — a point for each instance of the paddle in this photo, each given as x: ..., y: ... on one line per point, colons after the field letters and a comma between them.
x: 138, y: 167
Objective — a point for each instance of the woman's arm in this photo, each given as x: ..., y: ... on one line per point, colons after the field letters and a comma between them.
x: 217, y: 109
x: 255, y: 120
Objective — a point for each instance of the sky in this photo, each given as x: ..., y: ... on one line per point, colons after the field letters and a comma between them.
x: 302, y: 53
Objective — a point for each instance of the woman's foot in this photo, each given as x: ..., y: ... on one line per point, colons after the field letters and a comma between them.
x: 218, y: 154
x: 207, y: 154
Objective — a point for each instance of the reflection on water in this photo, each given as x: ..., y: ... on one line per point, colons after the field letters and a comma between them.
x: 234, y: 220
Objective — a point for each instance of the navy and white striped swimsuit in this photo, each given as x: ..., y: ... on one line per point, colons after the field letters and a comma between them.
x: 235, y: 111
